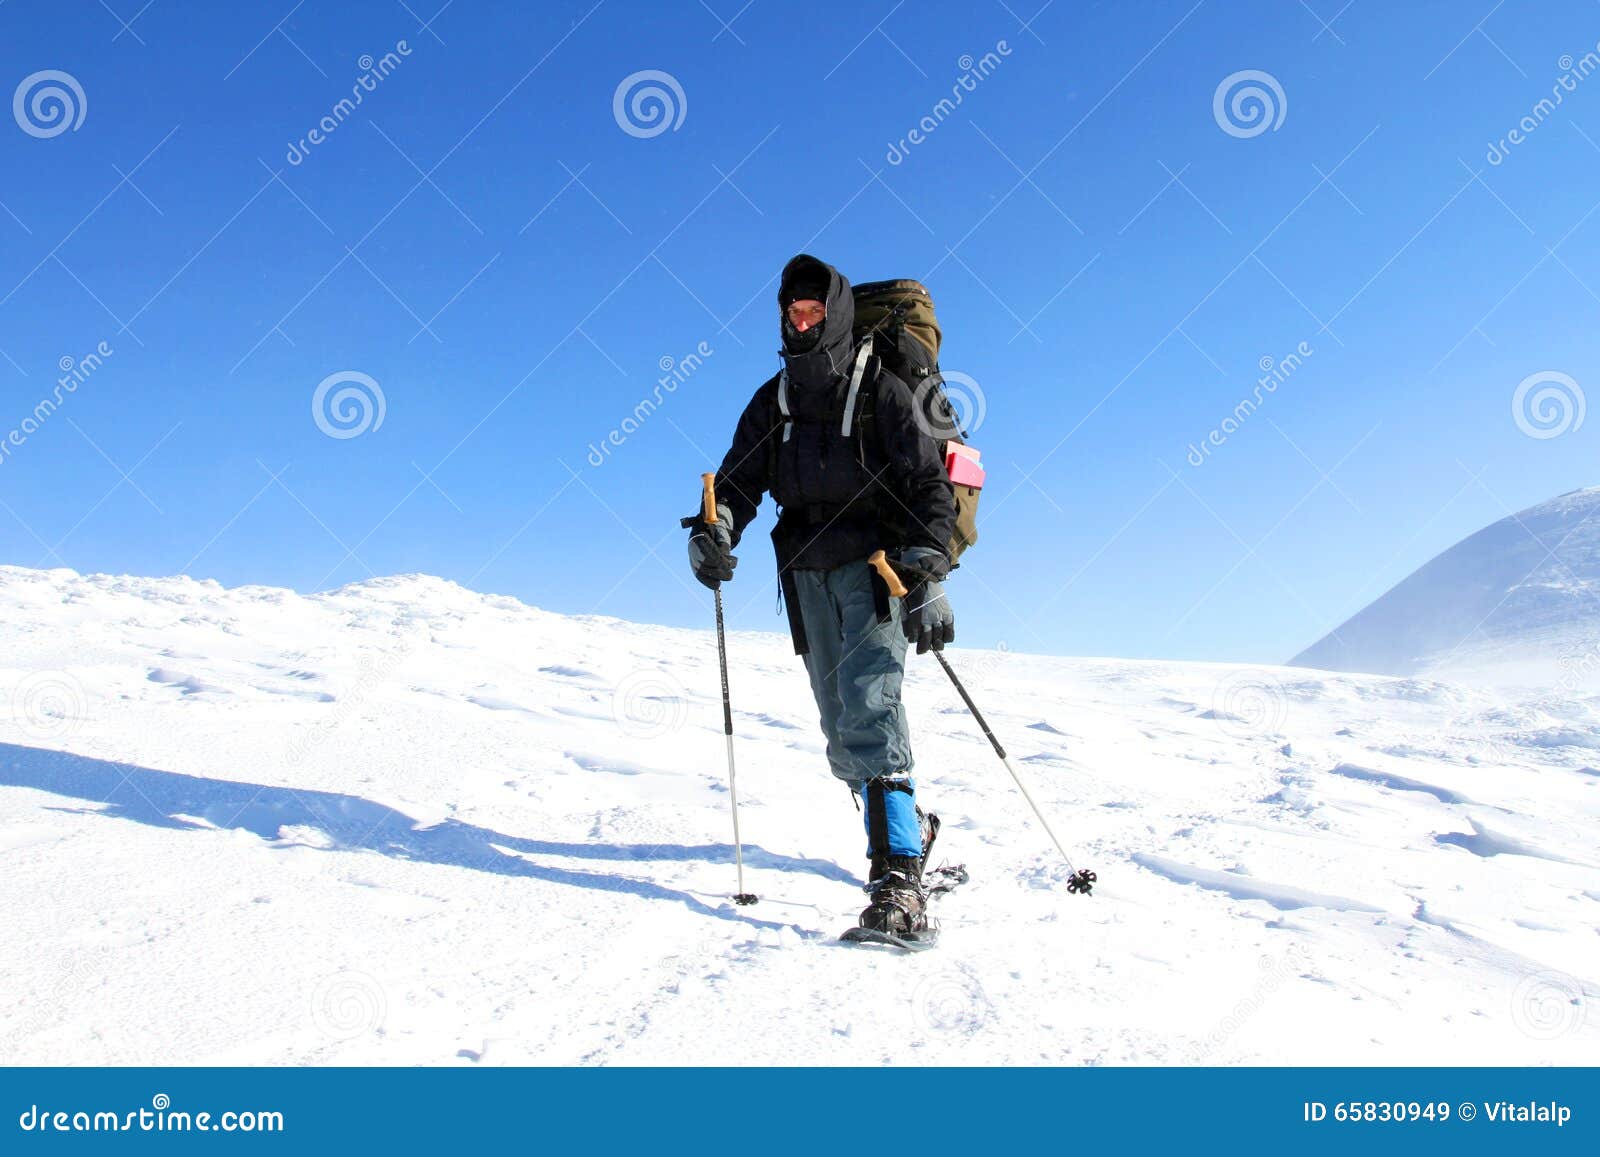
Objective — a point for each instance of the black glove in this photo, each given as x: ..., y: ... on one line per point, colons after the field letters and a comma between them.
x: 711, y: 548
x: 926, y: 617
x: 925, y: 613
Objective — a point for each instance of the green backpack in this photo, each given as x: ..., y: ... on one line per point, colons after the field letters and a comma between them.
x: 897, y: 318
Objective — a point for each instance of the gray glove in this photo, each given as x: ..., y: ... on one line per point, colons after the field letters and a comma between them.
x: 711, y: 548
x: 925, y: 613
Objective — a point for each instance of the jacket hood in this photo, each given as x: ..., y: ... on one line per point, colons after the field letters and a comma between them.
x: 829, y: 360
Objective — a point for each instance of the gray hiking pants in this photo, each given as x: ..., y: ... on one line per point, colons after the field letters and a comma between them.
x: 856, y: 666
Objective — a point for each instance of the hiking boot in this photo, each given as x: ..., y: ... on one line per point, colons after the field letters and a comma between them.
x: 899, y: 904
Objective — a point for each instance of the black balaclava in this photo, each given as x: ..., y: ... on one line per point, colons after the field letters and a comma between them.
x: 821, y: 355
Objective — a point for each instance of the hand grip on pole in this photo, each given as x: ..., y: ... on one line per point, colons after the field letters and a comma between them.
x: 881, y: 564
x: 709, y: 481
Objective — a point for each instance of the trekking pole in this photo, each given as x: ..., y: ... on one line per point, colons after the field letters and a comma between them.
x: 741, y: 896
x: 1082, y: 880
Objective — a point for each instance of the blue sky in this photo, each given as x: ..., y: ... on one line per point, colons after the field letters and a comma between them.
x: 484, y: 239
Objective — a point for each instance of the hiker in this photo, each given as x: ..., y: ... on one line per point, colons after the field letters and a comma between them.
x: 837, y: 441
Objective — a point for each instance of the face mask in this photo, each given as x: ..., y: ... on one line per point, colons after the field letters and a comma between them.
x: 798, y: 343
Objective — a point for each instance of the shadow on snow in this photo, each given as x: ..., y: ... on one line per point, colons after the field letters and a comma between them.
x: 168, y: 799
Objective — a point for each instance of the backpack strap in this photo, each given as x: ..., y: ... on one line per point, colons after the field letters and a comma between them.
x: 783, y: 403
x: 856, y: 374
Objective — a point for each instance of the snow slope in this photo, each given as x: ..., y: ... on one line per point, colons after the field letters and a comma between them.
x: 1516, y: 603
x: 405, y: 823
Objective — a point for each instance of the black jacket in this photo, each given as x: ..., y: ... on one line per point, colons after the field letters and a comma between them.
x: 841, y: 497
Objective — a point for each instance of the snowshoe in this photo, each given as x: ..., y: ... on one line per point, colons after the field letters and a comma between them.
x: 898, y: 913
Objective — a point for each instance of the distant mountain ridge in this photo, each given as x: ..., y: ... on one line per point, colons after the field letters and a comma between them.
x: 1517, y: 602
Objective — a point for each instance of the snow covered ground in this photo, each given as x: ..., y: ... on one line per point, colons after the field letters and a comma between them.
x: 405, y: 823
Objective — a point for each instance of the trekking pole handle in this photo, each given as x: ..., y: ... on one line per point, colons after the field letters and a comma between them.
x: 881, y: 563
x: 709, y: 481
